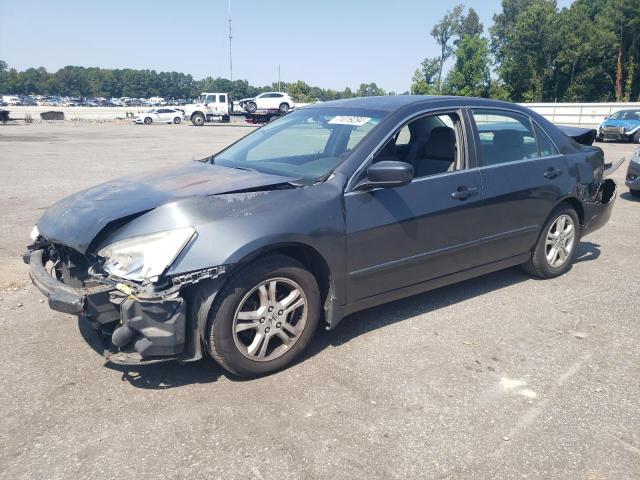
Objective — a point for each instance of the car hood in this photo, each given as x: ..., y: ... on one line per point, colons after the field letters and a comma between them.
x: 620, y: 122
x: 77, y: 219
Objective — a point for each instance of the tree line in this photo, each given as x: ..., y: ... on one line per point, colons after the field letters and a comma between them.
x: 96, y: 82
x: 536, y: 52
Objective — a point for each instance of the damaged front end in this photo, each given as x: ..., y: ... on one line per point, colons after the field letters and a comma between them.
x: 136, y: 321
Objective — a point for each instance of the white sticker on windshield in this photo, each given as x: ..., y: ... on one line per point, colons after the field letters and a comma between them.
x: 349, y: 120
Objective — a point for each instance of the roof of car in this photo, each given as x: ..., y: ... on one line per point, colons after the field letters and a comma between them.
x: 390, y: 103
x: 383, y: 103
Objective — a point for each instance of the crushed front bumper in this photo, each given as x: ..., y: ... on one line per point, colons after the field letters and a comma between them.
x: 62, y: 298
x: 133, y: 330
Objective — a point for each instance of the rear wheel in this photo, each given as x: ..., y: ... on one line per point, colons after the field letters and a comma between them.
x: 198, y: 119
x: 556, y: 247
x: 264, y: 318
x: 284, y: 107
x: 148, y: 121
x: 177, y: 120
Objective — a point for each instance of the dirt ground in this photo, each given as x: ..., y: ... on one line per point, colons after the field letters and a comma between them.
x: 502, y: 376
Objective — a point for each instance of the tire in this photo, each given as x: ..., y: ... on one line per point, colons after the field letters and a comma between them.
x: 198, y: 119
x: 251, y: 107
x: 636, y: 137
x: 635, y: 193
x: 226, y: 119
x: 148, y: 121
x: 233, y: 351
x: 283, y: 108
x: 539, y: 265
x: 177, y: 120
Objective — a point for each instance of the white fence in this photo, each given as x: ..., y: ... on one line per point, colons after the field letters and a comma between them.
x: 578, y: 114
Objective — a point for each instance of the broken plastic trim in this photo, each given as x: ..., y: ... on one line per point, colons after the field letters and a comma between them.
x: 198, y: 275
x: 159, y: 290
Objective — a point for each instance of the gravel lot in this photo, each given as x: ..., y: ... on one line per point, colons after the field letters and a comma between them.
x: 498, y: 377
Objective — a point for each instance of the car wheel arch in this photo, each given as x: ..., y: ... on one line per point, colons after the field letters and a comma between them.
x: 574, y: 203
x: 307, y: 255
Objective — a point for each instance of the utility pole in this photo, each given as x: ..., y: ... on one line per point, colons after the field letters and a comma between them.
x: 230, y: 60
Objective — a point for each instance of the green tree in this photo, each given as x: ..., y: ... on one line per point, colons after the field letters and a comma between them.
x: 369, y: 90
x: 470, y: 75
x: 469, y: 25
x: 443, y: 32
x: 525, y: 47
x: 300, y: 92
x: 425, y: 79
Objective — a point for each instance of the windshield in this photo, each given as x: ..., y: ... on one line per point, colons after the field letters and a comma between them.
x: 306, y: 144
x: 626, y: 115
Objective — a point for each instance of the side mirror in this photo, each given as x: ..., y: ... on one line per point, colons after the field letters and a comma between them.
x: 387, y: 174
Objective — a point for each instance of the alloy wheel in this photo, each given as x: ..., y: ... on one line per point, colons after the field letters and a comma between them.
x: 270, y: 319
x: 560, y: 241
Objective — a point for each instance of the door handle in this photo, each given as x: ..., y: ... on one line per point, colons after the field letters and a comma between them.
x: 463, y: 192
x: 551, y: 173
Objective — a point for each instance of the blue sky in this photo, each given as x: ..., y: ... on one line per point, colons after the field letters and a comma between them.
x: 328, y: 43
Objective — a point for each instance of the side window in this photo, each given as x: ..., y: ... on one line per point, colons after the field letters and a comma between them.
x: 222, y: 98
x: 504, y: 136
x: 211, y: 99
x: 431, y: 144
x: 546, y: 146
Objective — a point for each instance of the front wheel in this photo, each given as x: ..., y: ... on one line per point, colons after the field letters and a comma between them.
x: 555, y: 250
x: 264, y: 317
x: 284, y: 108
x: 198, y: 119
x: 177, y: 120
x: 251, y: 107
x: 636, y: 137
x: 148, y: 121
x: 635, y: 193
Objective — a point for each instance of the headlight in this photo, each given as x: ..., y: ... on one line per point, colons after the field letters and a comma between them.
x: 145, y: 257
x: 635, y: 156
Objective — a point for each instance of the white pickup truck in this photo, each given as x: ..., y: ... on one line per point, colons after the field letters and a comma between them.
x: 209, y: 107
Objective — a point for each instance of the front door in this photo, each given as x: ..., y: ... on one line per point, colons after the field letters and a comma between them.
x: 397, y: 237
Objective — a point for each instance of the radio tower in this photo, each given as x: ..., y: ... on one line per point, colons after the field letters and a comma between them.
x: 229, y: 18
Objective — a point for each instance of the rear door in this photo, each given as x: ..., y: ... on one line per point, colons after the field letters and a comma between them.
x: 523, y: 177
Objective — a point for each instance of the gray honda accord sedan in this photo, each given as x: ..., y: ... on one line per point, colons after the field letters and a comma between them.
x: 331, y: 209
